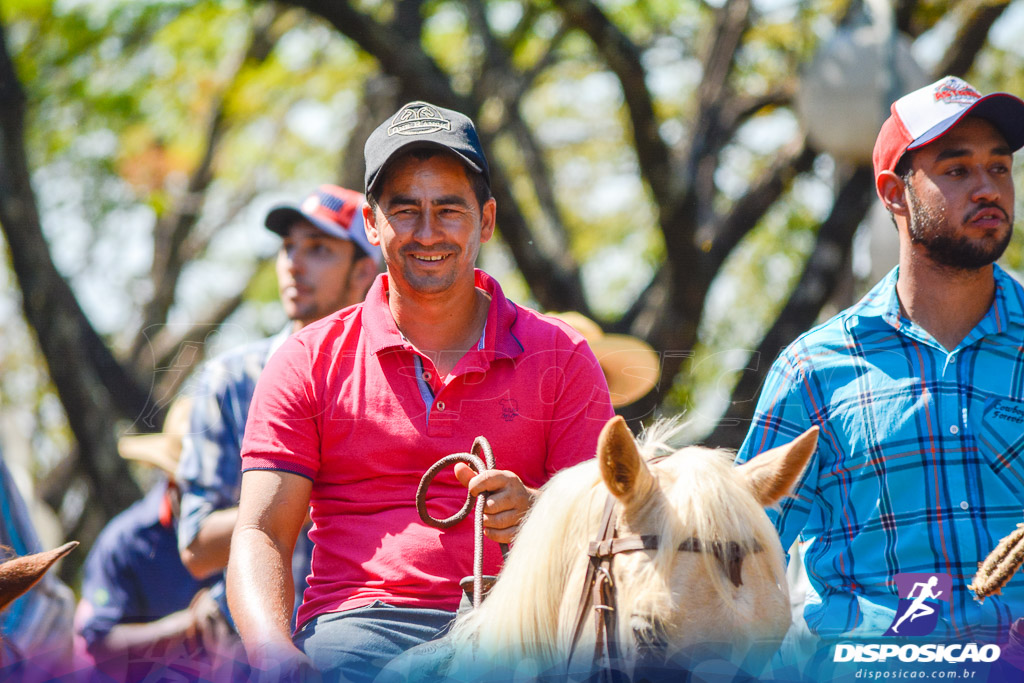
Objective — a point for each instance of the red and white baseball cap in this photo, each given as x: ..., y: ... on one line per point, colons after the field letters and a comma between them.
x: 336, y: 211
x: 926, y: 114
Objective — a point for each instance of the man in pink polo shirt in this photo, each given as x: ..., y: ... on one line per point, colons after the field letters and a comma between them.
x: 354, y: 408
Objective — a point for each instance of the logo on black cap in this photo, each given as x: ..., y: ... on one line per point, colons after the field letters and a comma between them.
x: 418, y: 118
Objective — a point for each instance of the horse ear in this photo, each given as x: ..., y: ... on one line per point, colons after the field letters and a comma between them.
x: 772, y: 474
x: 624, y: 472
x: 21, y: 573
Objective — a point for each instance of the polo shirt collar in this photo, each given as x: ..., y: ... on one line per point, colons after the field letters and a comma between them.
x: 499, y: 336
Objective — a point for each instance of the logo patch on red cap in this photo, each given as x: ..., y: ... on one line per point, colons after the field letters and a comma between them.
x: 954, y: 90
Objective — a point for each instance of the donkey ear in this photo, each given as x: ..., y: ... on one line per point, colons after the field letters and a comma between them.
x: 21, y: 573
x: 772, y: 474
x: 624, y: 472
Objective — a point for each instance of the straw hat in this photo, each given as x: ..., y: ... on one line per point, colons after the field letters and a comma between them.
x: 630, y: 365
x: 164, y: 449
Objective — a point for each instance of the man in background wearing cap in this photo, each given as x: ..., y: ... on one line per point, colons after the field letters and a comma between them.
x: 918, y: 389
x: 325, y: 263
x: 351, y: 412
x: 141, y: 611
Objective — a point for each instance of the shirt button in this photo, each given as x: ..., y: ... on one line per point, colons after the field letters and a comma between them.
x: 426, y: 375
x: 440, y: 405
x: 964, y: 505
x: 953, y: 429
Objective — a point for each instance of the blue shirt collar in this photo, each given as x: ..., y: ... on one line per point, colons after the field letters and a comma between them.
x: 883, y: 304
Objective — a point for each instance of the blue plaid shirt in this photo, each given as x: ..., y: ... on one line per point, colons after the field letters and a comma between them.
x: 920, y: 459
x: 210, y: 471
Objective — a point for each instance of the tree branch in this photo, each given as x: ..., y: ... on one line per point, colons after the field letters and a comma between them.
x: 380, y: 100
x: 555, y: 285
x: 181, y: 357
x: 970, y: 37
x: 172, y: 231
x: 739, y: 109
x: 747, y: 212
x: 708, y: 135
x: 403, y: 59
x: 816, y: 285
x: 501, y: 80
x: 168, y: 352
x: 623, y: 58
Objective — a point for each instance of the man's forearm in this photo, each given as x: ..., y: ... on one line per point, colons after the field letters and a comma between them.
x: 135, y: 640
x: 260, y: 594
x: 207, y: 554
x: 271, y: 508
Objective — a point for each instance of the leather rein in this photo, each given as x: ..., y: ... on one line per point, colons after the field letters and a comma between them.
x: 598, y: 594
x: 481, y: 459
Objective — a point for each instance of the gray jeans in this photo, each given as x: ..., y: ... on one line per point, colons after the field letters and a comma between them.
x: 354, y: 645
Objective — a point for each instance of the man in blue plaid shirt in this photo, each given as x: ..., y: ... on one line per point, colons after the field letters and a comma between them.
x: 325, y: 263
x: 918, y: 389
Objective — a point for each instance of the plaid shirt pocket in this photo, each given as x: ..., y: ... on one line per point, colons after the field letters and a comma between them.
x: 1001, y: 440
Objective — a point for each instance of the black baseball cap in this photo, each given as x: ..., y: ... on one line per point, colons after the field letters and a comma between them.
x: 420, y: 124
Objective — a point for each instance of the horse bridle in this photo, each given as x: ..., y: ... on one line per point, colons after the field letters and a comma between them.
x: 598, y: 592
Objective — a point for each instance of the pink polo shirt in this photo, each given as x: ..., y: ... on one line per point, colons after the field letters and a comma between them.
x: 348, y: 403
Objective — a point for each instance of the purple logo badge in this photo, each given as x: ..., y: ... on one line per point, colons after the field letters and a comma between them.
x: 509, y: 409
x: 921, y: 598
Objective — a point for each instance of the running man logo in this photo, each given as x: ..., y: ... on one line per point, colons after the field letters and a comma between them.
x: 921, y: 598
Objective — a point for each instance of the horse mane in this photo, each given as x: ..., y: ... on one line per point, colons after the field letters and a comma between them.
x: 527, y: 615
x: 520, y: 614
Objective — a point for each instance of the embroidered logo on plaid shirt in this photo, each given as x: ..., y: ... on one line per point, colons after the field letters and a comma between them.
x: 1007, y: 411
x: 921, y: 598
x: 1001, y: 434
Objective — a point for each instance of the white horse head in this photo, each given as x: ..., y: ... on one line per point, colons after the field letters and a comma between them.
x: 668, y: 600
x: 716, y: 584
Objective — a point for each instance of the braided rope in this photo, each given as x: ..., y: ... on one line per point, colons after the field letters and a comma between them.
x: 1000, y: 565
x: 474, y: 460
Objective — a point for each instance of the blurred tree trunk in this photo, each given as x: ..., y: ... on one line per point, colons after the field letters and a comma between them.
x: 98, y: 390
x: 93, y: 386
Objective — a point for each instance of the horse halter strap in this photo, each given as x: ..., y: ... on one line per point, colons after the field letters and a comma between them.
x: 599, y: 589
x: 599, y: 593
